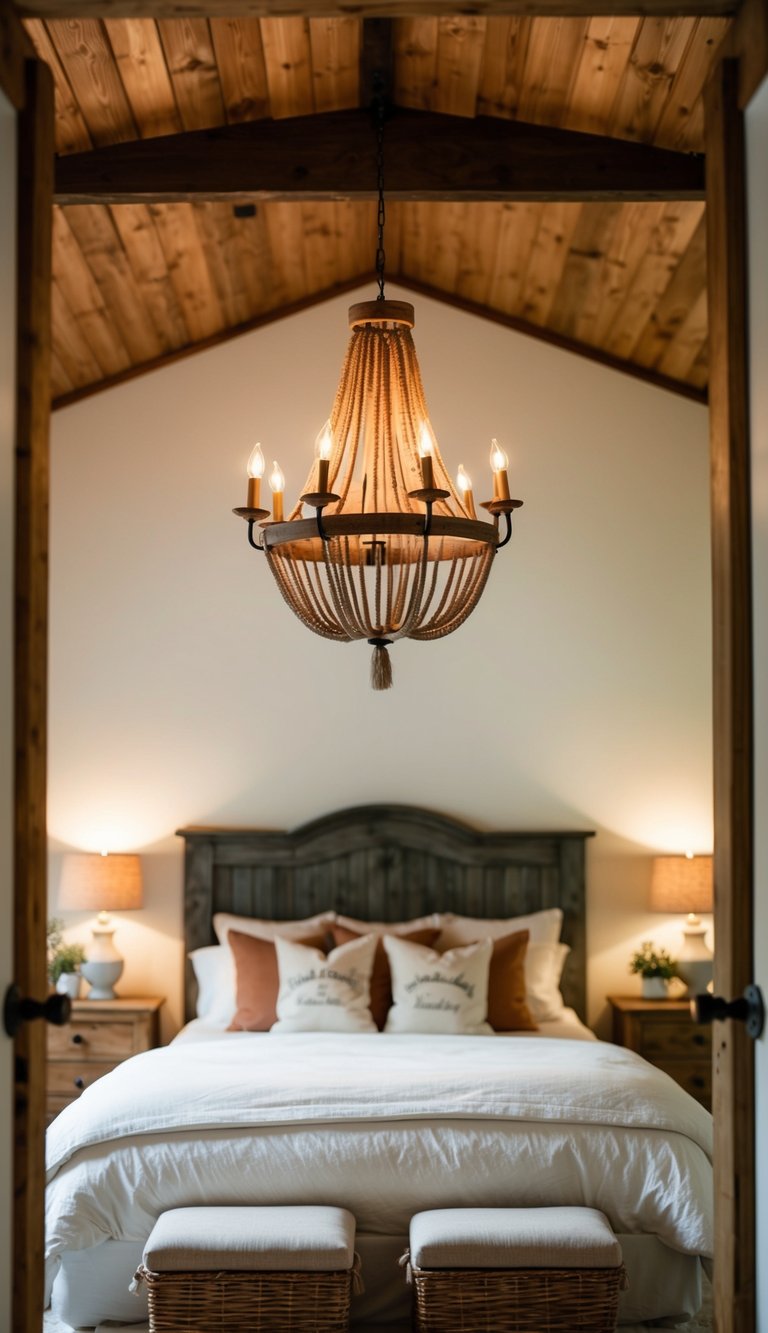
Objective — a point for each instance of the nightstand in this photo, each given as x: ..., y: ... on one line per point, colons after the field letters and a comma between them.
x: 99, y: 1035
x: 663, y: 1032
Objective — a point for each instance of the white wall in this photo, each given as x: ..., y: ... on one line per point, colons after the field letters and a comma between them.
x: 757, y: 154
x: 577, y: 695
x: 7, y: 528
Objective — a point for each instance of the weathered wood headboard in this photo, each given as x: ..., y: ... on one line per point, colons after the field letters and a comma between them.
x: 385, y: 863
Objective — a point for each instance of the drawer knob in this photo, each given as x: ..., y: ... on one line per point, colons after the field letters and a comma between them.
x: 79, y: 1082
x: 697, y: 1081
x: 77, y: 1038
x: 698, y: 1040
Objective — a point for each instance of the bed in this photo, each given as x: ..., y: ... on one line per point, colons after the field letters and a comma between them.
x: 383, y: 1123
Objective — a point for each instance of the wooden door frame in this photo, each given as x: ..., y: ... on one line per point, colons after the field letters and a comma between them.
x: 28, y: 84
x: 734, y: 81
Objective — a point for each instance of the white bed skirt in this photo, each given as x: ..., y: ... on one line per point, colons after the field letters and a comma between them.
x: 92, y: 1285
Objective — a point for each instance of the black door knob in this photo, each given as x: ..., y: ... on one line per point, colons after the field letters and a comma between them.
x: 749, y: 1009
x: 19, y: 1009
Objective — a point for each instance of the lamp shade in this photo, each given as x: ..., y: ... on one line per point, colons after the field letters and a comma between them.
x: 94, y: 883
x: 681, y: 884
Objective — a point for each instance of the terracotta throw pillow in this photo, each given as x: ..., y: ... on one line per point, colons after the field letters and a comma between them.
x: 381, y: 977
x: 257, y: 981
x: 507, y: 1006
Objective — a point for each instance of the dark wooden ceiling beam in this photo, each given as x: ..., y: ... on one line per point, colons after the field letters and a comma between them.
x: 427, y: 156
x: 177, y: 9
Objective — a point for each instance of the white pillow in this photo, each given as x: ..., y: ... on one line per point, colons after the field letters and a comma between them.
x: 543, y: 969
x: 435, y: 920
x: 434, y: 992
x: 214, y: 969
x: 325, y: 994
x: 223, y: 922
x: 543, y: 928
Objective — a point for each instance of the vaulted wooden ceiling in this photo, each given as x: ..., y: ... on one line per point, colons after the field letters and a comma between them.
x: 137, y: 281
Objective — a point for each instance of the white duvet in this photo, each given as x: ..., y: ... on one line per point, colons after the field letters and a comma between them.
x: 385, y: 1125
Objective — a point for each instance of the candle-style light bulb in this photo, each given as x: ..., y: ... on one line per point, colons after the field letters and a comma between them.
x: 426, y: 447
x: 499, y: 465
x: 255, y: 474
x: 277, y: 486
x: 464, y: 486
x: 323, y: 449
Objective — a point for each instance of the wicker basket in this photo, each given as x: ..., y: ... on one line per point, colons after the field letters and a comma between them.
x: 517, y: 1300
x: 248, y: 1302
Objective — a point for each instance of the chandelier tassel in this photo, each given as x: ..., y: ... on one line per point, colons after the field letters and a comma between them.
x: 381, y: 666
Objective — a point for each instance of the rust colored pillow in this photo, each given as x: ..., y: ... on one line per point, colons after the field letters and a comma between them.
x: 257, y: 980
x: 507, y: 1006
x: 381, y: 980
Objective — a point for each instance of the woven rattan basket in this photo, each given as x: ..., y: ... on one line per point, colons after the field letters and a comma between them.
x: 248, y: 1302
x: 517, y: 1300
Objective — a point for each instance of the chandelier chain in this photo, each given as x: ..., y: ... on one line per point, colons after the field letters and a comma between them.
x: 381, y: 215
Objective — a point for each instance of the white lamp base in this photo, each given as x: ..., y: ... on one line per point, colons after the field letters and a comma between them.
x: 695, y: 962
x: 103, y: 966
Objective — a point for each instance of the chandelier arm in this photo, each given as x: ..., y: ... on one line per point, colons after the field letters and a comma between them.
x: 320, y: 527
x: 508, y: 534
x: 256, y: 545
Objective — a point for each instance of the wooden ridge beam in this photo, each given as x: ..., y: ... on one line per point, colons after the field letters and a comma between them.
x: 332, y: 156
x: 178, y: 9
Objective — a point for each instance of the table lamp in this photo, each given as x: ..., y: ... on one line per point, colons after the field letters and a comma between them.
x: 103, y: 883
x: 684, y: 884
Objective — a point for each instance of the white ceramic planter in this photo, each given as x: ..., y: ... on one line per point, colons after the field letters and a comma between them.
x: 654, y: 988
x: 69, y: 984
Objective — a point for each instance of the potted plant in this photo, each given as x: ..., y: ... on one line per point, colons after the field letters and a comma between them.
x: 63, y: 960
x: 656, y: 969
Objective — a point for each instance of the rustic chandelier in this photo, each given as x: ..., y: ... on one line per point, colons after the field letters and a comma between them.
x: 394, y: 550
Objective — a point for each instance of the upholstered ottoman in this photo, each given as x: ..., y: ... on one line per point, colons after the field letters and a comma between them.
x: 515, y: 1270
x: 250, y: 1270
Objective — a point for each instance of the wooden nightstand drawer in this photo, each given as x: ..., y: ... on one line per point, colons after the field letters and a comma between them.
x: 662, y: 1039
x: 93, y: 1041
x: 100, y: 1035
x: 70, y: 1077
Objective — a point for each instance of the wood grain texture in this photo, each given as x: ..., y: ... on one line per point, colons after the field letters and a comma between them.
x: 385, y: 863
x: 30, y: 684
x: 733, y: 1100
x: 390, y: 9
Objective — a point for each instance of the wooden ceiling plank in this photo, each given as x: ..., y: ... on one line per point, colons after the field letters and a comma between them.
x: 681, y: 124
x: 653, y: 63
x: 628, y: 246
x: 256, y: 261
x: 102, y: 249
x: 668, y: 243
x: 71, y: 130
x: 141, y: 242
x: 219, y: 233
x: 577, y: 298
x: 698, y: 375
x: 60, y: 381
x: 144, y: 74
x: 460, y: 50
x: 193, y: 70
x: 335, y: 48
x: 70, y: 344
x: 81, y: 292
x: 395, y: 9
x: 427, y: 156
x: 478, y: 247
x: 242, y: 72
x: 92, y: 72
x: 554, y: 53
x: 681, y: 294
x: 185, y: 257
x: 683, y: 351
x: 444, y: 227
x: 288, y: 57
x: 607, y: 46
x: 319, y: 244
x: 285, y: 228
x: 356, y: 232
x: 517, y: 231
x: 504, y: 60
x: 415, y: 74
x: 547, y: 260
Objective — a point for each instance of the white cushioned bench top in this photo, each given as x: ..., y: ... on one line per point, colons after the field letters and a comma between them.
x: 285, y: 1239
x: 513, y: 1238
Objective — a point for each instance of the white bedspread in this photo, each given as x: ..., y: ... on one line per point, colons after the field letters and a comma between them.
x: 384, y: 1125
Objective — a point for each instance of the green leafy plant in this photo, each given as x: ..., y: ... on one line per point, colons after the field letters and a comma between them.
x: 650, y: 962
x: 61, y: 957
